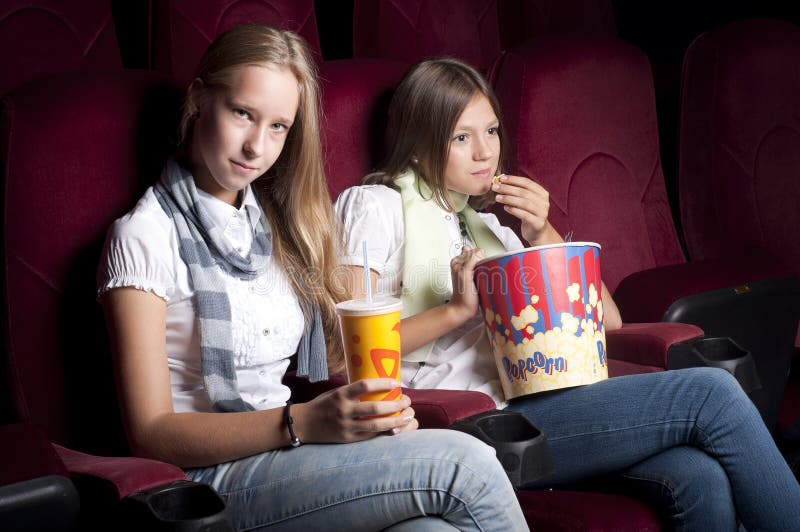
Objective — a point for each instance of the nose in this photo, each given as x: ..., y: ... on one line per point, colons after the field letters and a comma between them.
x: 483, y: 149
x: 254, y: 143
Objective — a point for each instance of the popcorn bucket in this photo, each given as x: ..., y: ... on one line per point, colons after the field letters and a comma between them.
x: 544, y: 314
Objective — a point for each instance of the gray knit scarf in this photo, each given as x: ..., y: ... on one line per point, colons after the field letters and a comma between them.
x: 203, y: 247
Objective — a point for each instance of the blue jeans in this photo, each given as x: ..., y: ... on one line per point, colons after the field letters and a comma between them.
x: 452, y: 478
x: 691, y: 435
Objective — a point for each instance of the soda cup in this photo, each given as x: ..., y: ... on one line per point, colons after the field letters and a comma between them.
x: 371, y: 339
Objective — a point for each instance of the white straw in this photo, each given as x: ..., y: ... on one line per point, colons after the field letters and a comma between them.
x: 367, y: 280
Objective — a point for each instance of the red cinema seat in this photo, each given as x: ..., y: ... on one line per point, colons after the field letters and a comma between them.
x: 740, y: 149
x: 183, y: 29
x: 581, y: 120
x: 411, y: 31
x: 68, y: 171
x: 740, y: 141
x: 48, y: 36
x: 522, y: 20
x: 355, y: 99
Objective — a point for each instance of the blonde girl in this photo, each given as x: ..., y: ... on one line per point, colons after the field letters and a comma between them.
x: 219, y: 275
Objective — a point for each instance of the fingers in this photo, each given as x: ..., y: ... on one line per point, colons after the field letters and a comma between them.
x: 376, y: 418
x: 467, y: 258
x: 521, y: 192
x: 511, y: 184
x: 410, y: 424
x: 356, y: 389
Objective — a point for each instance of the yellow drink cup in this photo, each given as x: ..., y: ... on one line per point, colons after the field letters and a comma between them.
x: 371, y: 339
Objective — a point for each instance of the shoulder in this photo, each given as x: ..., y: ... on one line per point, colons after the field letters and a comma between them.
x: 373, y: 213
x: 146, y: 222
x: 363, y: 197
x: 141, y: 250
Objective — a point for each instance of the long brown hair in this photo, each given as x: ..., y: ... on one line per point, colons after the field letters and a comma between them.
x: 306, y: 238
x: 422, y: 116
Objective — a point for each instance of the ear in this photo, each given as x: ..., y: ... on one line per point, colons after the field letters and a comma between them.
x: 195, y: 95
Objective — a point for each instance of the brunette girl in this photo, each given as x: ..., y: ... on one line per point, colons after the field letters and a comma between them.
x: 690, y: 440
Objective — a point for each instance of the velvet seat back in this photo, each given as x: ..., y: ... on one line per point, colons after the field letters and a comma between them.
x: 580, y: 120
x: 739, y: 176
x: 183, y: 29
x: 69, y: 171
x: 521, y: 20
x: 355, y: 100
x: 48, y: 36
x: 412, y: 31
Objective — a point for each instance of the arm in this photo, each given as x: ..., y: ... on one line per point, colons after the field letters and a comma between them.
x: 418, y: 330
x: 137, y: 326
x: 530, y: 202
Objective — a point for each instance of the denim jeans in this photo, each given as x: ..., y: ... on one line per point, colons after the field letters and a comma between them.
x: 692, y: 435
x: 371, y: 485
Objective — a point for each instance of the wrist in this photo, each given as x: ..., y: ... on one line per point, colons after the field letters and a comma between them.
x: 291, y: 424
x: 548, y: 235
x: 456, y: 315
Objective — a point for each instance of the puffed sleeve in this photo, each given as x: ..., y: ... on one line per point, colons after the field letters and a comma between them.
x: 138, y: 253
x: 372, y: 213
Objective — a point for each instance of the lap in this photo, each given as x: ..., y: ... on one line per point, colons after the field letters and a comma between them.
x: 613, y: 424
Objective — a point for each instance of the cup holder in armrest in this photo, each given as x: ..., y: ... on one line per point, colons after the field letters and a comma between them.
x: 521, y: 447
x: 183, y: 506
x: 718, y: 352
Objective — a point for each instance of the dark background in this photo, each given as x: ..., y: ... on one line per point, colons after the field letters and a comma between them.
x: 663, y: 29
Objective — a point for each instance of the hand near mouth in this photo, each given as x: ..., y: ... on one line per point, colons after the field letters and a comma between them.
x: 530, y: 202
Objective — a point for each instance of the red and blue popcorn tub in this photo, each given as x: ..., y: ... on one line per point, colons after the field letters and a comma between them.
x: 543, y: 310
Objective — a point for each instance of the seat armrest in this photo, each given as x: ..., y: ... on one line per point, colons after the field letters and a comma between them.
x: 118, y: 476
x: 647, y: 344
x: 35, y: 490
x: 433, y: 408
x: 645, y: 296
x: 438, y: 409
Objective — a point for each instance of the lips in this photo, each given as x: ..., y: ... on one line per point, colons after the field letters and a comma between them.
x: 482, y: 173
x: 243, y: 166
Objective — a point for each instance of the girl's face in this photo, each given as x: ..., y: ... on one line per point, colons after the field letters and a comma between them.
x: 241, y: 129
x: 474, y: 149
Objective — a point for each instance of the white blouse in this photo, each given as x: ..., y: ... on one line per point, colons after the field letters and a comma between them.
x: 141, y: 251
x: 460, y: 360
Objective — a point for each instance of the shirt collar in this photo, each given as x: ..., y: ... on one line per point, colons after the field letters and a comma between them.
x: 222, y: 212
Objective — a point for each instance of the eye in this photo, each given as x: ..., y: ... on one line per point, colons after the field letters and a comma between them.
x: 493, y: 131
x: 241, y: 113
x: 279, y: 127
x: 460, y: 138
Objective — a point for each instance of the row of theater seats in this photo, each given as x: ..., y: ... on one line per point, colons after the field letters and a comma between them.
x: 580, y: 118
x: 48, y: 36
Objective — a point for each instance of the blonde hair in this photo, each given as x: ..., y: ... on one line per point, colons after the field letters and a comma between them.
x: 422, y: 117
x: 293, y: 193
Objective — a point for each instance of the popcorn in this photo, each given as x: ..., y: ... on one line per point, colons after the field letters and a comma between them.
x: 526, y: 317
x: 574, y: 292
x: 496, y: 179
x: 592, y: 295
x: 549, y: 343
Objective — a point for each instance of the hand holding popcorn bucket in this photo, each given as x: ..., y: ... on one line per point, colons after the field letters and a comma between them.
x: 543, y: 310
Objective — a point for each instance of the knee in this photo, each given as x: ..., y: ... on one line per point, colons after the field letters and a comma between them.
x: 469, y: 452
x: 466, y: 448
x: 717, y: 380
